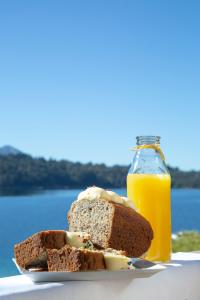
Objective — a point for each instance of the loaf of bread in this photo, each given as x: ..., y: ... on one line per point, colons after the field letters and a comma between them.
x: 111, y: 222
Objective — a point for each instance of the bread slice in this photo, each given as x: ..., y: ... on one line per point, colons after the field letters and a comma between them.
x: 58, y: 250
x: 111, y: 225
x: 32, y: 252
x: 71, y: 259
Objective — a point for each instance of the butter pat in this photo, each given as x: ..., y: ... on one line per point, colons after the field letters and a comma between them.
x: 115, y: 262
x: 93, y: 193
x: 79, y: 240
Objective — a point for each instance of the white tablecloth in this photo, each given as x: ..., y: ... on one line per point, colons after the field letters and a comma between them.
x: 180, y: 281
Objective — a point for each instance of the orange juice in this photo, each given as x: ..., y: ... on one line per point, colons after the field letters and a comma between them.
x: 151, y: 196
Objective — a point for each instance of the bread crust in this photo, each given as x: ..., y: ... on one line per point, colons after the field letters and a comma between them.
x: 130, y: 231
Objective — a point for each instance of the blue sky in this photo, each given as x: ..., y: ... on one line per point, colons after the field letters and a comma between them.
x: 80, y: 79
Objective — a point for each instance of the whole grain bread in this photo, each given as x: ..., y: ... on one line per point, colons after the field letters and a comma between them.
x: 32, y: 251
x: 50, y: 251
x: 111, y: 225
x: 71, y: 259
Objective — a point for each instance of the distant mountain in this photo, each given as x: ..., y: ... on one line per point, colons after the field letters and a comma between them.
x: 9, y: 150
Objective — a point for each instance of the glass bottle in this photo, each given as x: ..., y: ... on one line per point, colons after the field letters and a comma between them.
x: 149, y: 187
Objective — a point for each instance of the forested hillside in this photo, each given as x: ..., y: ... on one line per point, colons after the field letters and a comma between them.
x: 23, y: 172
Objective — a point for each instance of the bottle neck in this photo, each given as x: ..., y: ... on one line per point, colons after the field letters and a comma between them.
x: 149, y: 157
x: 148, y: 140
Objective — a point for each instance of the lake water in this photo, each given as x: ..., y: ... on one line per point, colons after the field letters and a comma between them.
x: 21, y: 216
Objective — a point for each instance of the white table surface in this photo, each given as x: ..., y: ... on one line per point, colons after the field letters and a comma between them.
x: 180, y: 281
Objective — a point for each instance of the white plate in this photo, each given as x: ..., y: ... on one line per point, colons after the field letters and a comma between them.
x: 90, y: 275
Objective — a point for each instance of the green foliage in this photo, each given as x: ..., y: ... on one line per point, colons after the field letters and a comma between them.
x: 19, y: 173
x: 184, y: 179
x: 22, y: 172
x: 186, y: 241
